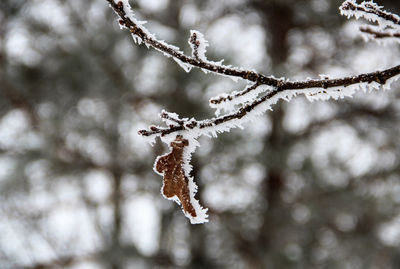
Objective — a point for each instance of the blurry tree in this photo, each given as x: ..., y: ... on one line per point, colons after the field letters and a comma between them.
x: 314, y: 185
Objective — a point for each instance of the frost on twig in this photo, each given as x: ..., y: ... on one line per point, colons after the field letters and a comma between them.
x: 228, y: 102
x: 199, y: 45
x: 381, y: 36
x: 323, y: 89
x: 139, y: 32
x: 244, y: 106
x: 371, y: 12
x: 388, y: 24
x: 199, y: 48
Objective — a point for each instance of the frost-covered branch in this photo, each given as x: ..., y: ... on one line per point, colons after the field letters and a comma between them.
x: 312, y: 89
x: 243, y: 106
x: 371, y: 12
x: 388, y: 24
x: 371, y: 32
x: 141, y: 34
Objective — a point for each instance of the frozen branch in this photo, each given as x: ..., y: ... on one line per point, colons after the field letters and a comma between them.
x: 371, y: 32
x: 371, y: 12
x: 243, y: 106
x: 141, y: 34
x: 199, y: 45
x: 312, y: 89
x: 388, y: 28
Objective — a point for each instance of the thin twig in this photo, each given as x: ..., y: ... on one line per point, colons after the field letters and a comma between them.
x: 221, y: 99
x: 370, y: 8
x: 379, y: 34
x: 378, y: 76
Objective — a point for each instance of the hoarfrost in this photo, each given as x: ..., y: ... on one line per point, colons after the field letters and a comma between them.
x: 368, y: 10
x: 151, y: 37
x: 185, y: 66
x: 150, y: 139
x: 256, y: 106
x: 228, y: 102
x: 389, y: 36
x: 198, y: 44
x: 136, y: 39
x: 242, y: 106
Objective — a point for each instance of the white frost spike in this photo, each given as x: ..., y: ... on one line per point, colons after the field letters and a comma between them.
x: 323, y: 76
x: 386, y: 86
x: 233, y: 78
x: 150, y: 139
x: 336, y: 93
x: 185, y: 66
x: 137, y: 39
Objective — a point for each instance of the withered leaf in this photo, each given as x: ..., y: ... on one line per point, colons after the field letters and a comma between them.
x: 175, y: 181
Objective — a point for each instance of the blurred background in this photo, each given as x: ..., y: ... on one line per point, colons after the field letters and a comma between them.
x: 310, y: 185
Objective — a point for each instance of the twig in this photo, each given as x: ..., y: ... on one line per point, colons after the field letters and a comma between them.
x: 259, y: 79
x: 370, y: 11
x: 376, y: 34
x: 151, y: 41
x: 379, y: 76
x: 235, y: 72
x: 220, y: 99
x: 181, y: 134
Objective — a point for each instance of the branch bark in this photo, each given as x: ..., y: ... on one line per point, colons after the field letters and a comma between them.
x: 376, y: 34
x: 280, y: 85
x: 261, y: 79
x: 261, y: 93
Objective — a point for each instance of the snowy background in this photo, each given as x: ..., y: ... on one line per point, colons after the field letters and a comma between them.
x: 309, y: 185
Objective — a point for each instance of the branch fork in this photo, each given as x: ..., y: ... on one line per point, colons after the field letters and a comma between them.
x: 261, y: 93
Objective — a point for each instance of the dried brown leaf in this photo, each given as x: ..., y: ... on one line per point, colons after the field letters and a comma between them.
x: 176, y: 184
